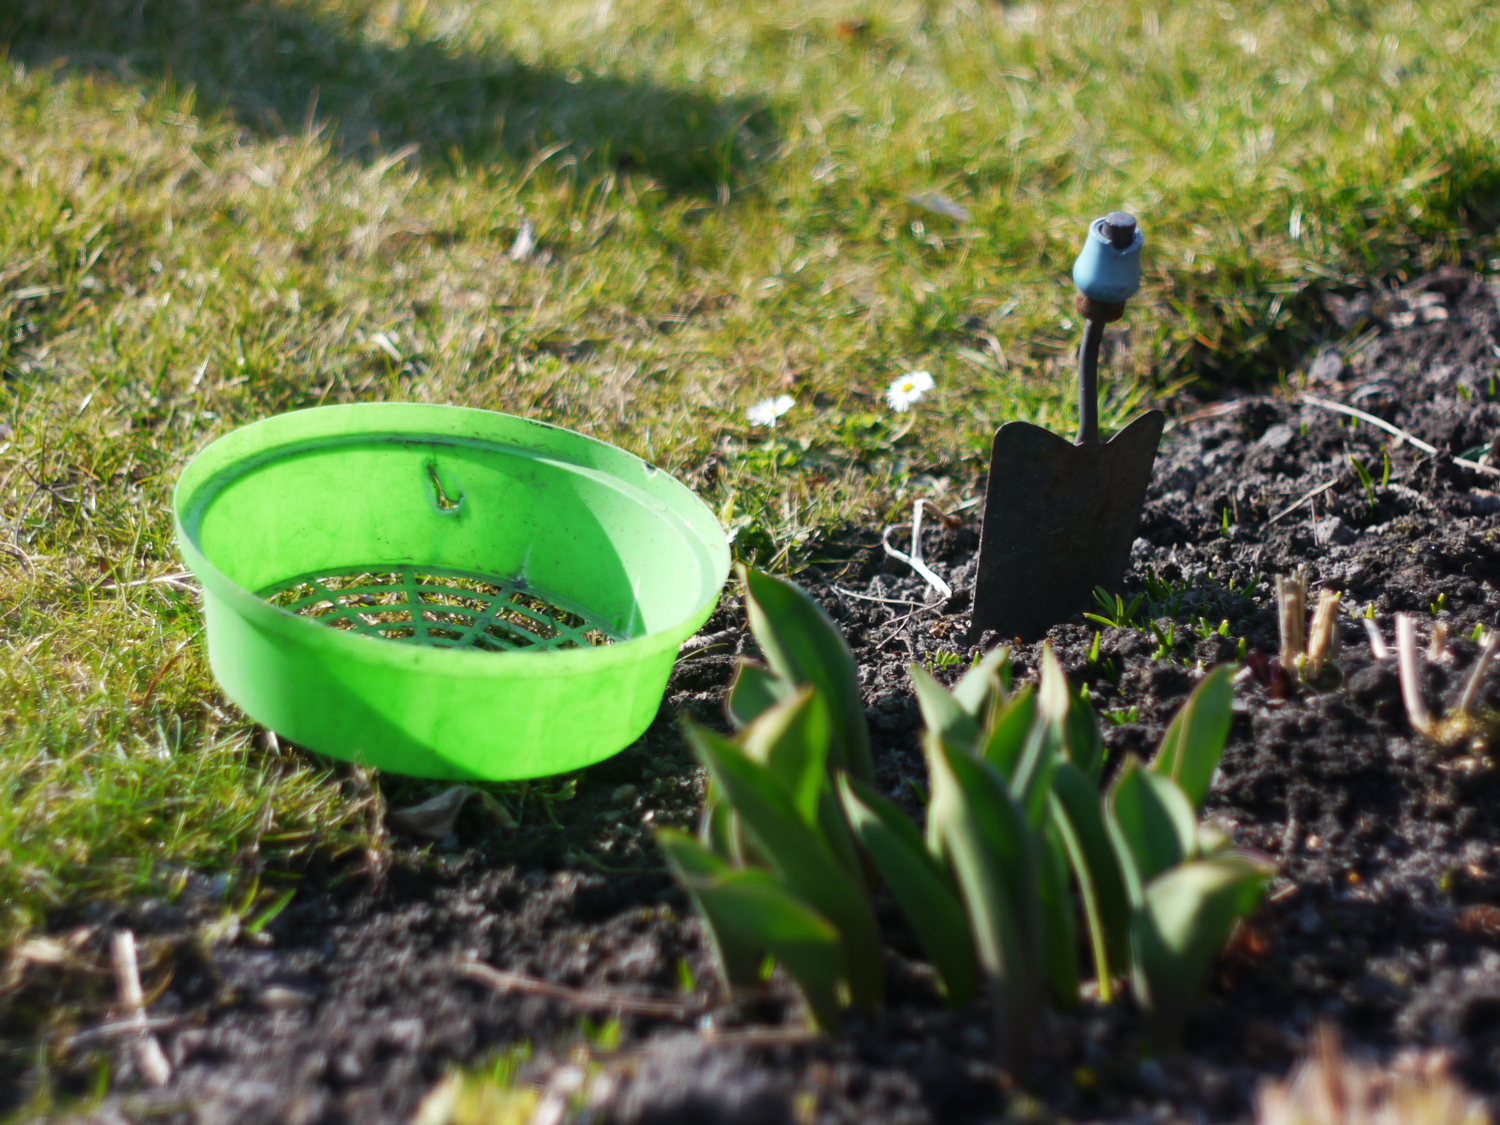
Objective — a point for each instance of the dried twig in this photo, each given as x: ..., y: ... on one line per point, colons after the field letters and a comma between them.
x: 1411, y: 674
x: 1481, y: 666
x: 1396, y: 431
x: 148, y: 1052
x: 595, y: 1000
x: 871, y: 598
x: 1437, y: 644
x: 1323, y: 644
x: 1306, y: 496
x: 1291, y: 613
x: 914, y: 560
x: 1378, y: 648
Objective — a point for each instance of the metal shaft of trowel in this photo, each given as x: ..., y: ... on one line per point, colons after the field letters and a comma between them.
x: 1088, y: 382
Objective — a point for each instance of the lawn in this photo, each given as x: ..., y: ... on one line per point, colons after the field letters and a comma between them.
x: 635, y: 219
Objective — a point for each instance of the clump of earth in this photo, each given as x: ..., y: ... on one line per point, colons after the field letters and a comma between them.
x: 350, y: 1005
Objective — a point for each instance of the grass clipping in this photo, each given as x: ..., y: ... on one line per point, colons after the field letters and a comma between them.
x: 1330, y: 1088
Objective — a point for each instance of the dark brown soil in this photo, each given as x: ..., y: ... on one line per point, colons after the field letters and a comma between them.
x: 347, y: 1007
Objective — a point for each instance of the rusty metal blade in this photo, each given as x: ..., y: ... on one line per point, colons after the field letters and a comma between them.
x: 1059, y: 520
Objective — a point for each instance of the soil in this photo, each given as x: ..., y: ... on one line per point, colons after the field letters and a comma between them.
x: 347, y: 1006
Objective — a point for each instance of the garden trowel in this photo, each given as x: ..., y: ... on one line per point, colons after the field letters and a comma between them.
x: 1060, y: 517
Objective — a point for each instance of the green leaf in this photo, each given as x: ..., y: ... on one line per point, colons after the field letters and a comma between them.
x: 985, y: 838
x: 1085, y: 747
x: 791, y: 740
x: 799, y: 854
x: 803, y: 646
x: 757, y: 913
x: 1054, y: 698
x: 1079, y: 818
x: 736, y: 951
x: 1006, y: 731
x: 1059, y: 928
x: 717, y: 829
x: 982, y: 683
x: 756, y: 689
x: 1031, y: 780
x: 924, y: 890
x: 1191, y: 748
x: 941, y: 712
x: 1154, y: 820
x: 1185, y: 918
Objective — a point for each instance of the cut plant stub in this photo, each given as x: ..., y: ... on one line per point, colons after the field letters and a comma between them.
x: 1060, y: 517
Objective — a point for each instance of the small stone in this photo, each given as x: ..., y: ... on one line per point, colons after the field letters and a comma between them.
x: 1333, y: 532
x: 1326, y: 368
x: 279, y: 998
x: 1277, y: 436
x: 623, y: 795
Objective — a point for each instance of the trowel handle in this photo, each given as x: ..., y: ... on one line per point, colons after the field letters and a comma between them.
x: 1107, y: 273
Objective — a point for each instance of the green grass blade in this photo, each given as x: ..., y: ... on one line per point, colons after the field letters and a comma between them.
x: 925, y: 891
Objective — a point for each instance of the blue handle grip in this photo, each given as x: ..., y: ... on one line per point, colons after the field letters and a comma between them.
x: 1105, y: 274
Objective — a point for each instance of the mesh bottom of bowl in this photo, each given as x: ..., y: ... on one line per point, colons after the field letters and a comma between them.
x: 438, y: 607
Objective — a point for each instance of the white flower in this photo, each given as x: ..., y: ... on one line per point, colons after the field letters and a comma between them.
x: 907, y: 389
x: 765, y: 412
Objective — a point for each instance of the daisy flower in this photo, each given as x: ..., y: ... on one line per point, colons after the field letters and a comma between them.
x: 765, y: 412
x: 907, y: 389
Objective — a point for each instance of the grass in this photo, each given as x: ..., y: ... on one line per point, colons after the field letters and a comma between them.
x: 211, y: 213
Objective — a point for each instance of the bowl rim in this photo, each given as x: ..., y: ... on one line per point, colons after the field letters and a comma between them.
x: 230, y: 455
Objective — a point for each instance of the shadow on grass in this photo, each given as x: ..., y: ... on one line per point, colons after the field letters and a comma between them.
x: 277, y: 66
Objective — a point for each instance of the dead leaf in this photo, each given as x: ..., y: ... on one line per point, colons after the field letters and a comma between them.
x: 1482, y: 921
x: 435, y: 819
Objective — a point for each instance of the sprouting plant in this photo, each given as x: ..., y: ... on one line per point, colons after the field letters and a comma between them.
x: 774, y: 870
x: 1364, y: 479
x: 1438, y: 606
x: 1330, y: 1088
x: 1166, y: 642
x: 1477, y: 633
x: 1224, y: 527
x: 1018, y: 838
x: 1248, y: 591
x: 943, y: 658
x: 1122, y: 715
x: 1105, y: 665
x: 1124, y: 615
x: 1205, y: 629
x: 1165, y: 597
x: 1305, y: 653
x: 1467, y: 724
x: 1385, y: 473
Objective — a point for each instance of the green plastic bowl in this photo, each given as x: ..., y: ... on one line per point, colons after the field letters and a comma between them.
x: 444, y: 592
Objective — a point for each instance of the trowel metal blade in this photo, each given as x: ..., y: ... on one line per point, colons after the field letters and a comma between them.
x: 1059, y: 520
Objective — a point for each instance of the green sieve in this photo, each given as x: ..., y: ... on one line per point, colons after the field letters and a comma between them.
x: 444, y: 592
